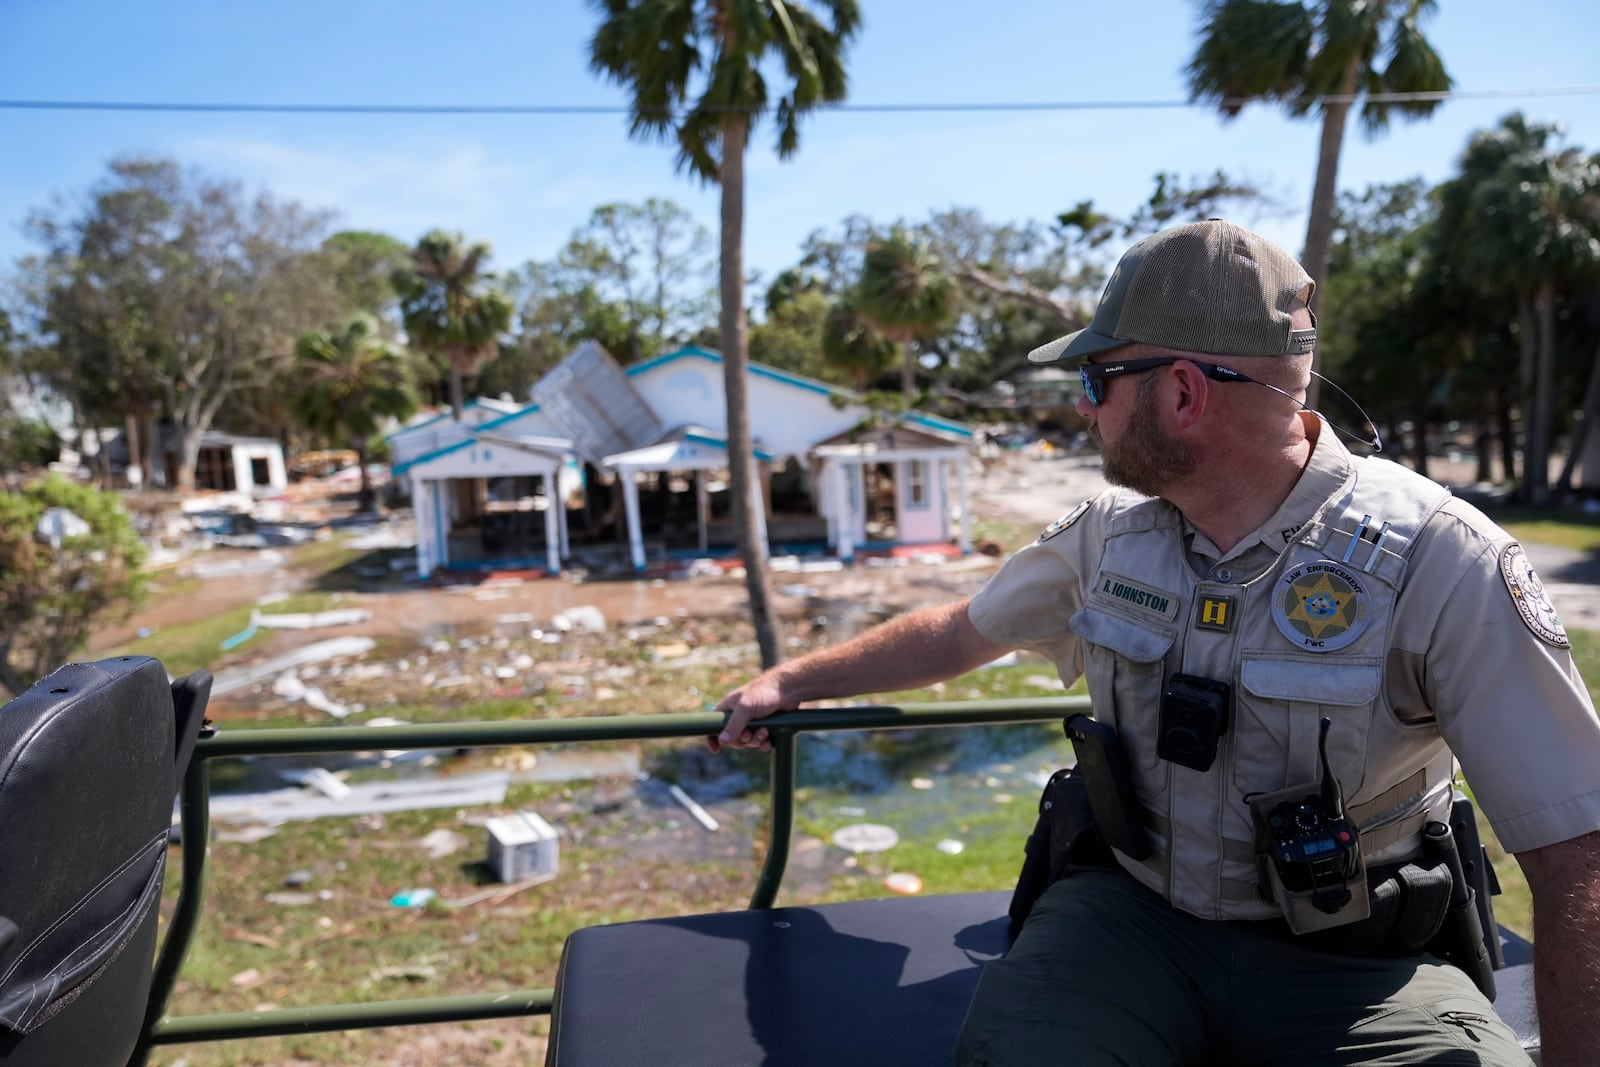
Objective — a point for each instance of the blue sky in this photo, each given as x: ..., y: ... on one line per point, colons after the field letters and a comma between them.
x: 525, y: 182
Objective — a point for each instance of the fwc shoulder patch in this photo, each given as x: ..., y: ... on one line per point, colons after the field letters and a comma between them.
x: 1533, y: 603
x: 1064, y: 521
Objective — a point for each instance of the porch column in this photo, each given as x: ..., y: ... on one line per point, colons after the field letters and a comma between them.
x: 552, y: 521
x: 845, y: 541
x: 561, y: 510
x: 442, y: 518
x: 276, y: 474
x: 630, y: 501
x: 243, y: 480
x: 758, y: 503
x: 422, y: 517
x: 702, y: 510
x: 965, y: 543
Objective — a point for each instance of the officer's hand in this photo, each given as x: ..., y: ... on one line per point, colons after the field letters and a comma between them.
x: 755, y: 699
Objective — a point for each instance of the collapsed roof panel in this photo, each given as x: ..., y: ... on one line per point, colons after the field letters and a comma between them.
x: 592, y: 401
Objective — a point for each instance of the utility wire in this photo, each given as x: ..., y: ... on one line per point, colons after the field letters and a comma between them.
x: 928, y: 107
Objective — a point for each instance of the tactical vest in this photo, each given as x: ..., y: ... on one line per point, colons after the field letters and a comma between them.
x: 1307, y: 638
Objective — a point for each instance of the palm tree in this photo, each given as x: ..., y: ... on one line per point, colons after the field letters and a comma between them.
x: 1319, y: 54
x: 657, y: 48
x: 349, y: 379
x: 854, y: 345
x: 905, y: 292
x: 1523, y: 219
x: 451, y: 309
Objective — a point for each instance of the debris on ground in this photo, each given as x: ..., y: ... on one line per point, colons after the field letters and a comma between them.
x: 903, y: 882
x: 866, y: 837
x: 701, y: 815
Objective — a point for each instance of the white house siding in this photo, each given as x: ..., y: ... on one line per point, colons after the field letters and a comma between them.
x: 441, y: 430
x: 788, y: 413
x: 434, y: 507
x: 269, y: 452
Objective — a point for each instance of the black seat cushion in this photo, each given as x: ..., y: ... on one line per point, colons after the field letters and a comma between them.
x: 86, y: 788
x: 879, y: 982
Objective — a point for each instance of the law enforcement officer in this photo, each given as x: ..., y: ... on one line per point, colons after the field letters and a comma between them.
x: 1249, y: 560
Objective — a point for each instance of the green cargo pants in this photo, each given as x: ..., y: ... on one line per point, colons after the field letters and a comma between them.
x: 1105, y: 972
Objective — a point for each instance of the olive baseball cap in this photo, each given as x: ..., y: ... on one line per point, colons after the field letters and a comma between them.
x: 1209, y: 287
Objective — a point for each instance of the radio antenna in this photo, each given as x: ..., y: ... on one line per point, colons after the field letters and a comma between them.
x: 1332, y: 795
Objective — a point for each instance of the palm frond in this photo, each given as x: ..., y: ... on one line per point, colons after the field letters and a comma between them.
x: 1414, y: 67
x: 1250, y: 49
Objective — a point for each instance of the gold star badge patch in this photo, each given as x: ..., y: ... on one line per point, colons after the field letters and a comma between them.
x: 1321, y: 606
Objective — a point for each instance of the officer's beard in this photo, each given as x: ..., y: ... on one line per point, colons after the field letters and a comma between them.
x: 1145, y: 457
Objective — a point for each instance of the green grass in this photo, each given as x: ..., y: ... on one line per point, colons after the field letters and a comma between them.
x: 1008, y: 535
x: 1565, y: 528
x: 196, y: 645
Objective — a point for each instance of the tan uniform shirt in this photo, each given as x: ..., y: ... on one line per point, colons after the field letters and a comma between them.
x: 1472, y: 658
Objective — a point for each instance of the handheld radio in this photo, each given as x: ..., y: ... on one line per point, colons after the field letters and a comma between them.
x: 1309, y: 851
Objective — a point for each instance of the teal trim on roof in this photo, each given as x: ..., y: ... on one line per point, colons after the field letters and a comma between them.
x: 934, y: 422
x: 722, y: 443
x: 810, y: 384
x: 475, y: 402
x: 435, y: 454
x: 416, y: 426
x: 502, y: 420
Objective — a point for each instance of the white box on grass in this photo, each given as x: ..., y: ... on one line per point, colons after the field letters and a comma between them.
x: 522, y: 846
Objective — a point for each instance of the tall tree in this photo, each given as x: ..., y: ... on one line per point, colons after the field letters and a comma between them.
x: 790, y: 335
x: 174, y: 290
x: 1395, y: 346
x: 658, y: 49
x: 653, y: 259
x: 347, y: 380
x: 907, y: 295
x: 363, y: 265
x: 452, y: 309
x: 1523, y: 219
x: 1322, y: 55
x: 853, y: 344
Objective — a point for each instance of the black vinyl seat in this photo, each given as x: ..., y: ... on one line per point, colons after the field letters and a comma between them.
x: 867, y: 983
x: 870, y: 983
x: 91, y: 757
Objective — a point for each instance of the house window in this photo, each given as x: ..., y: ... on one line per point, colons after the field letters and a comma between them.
x: 916, y: 483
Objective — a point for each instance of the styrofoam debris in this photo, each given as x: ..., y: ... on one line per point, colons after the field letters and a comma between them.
x: 866, y: 837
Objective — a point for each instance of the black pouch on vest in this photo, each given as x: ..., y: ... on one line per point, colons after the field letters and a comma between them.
x: 1409, y: 904
x: 1064, y: 839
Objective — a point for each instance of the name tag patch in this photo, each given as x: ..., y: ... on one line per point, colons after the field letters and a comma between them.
x: 1320, y: 606
x: 1140, y: 597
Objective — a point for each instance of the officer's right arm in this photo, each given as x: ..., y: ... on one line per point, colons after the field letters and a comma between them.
x: 909, y: 652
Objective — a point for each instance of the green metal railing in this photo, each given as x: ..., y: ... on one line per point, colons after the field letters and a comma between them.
x: 785, y: 729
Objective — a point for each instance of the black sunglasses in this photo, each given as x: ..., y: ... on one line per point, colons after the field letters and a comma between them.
x: 1093, y: 374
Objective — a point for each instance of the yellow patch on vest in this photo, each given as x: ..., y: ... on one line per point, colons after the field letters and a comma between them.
x: 1214, y: 613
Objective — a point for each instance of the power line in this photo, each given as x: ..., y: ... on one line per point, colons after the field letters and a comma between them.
x: 925, y: 107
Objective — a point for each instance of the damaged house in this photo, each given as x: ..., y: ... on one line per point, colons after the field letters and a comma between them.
x: 630, y: 466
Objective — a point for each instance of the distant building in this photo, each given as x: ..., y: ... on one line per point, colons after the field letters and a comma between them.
x: 637, y: 461
x: 228, y: 463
